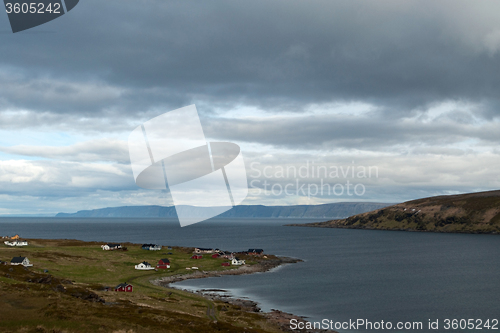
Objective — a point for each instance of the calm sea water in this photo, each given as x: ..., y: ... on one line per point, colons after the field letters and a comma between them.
x: 346, y: 274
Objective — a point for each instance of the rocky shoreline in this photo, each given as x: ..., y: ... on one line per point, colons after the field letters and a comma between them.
x: 332, y: 225
x: 280, y: 318
x: 262, y: 266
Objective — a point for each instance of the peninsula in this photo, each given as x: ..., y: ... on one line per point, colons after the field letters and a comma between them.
x: 465, y: 213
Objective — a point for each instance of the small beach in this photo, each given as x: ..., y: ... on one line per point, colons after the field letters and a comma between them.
x: 280, y: 318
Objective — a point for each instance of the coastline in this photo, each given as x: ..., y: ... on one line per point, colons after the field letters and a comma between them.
x: 71, y: 281
x: 333, y: 225
x: 277, y: 317
x: 259, y: 267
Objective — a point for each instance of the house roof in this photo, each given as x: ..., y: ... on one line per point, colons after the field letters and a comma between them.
x: 113, y: 245
x: 165, y: 260
x: 146, y: 263
x: 17, y: 260
x: 255, y: 250
x: 123, y: 285
x: 204, y: 249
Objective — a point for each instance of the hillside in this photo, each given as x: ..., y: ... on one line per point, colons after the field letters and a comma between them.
x: 65, y: 291
x: 331, y: 211
x: 465, y: 213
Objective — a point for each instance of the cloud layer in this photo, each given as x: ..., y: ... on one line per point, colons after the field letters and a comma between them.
x: 410, y: 86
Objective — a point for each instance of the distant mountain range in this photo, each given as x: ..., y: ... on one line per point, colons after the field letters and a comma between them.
x: 326, y: 211
x: 467, y: 213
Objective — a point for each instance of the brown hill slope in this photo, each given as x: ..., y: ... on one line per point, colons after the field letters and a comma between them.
x: 466, y: 213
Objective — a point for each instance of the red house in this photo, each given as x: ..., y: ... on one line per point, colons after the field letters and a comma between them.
x: 196, y: 256
x: 215, y: 255
x: 124, y: 287
x: 226, y: 264
x: 163, y: 264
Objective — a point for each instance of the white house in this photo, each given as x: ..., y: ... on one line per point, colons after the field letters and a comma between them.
x: 21, y: 261
x: 16, y: 243
x: 144, y: 266
x: 203, y: 250
x: 151, y: 247
x: 110, y: 246
x: 237, y: 262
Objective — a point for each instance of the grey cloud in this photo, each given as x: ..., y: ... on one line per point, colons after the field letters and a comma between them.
x: 370, y: 132
x: 102, y: 150
x: 111, y: 65
x: 66, y: 122
x: 276, y: 55
x: 62, y: 179
x: 397, y: 177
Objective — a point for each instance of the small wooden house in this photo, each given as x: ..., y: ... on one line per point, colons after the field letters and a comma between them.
x: 215, y: 255
x: 196, y: 256
x: 111, y: 246
x: 163, y: 264
x: 226, y: 264
x: 203, y: 250
x: 151, y: 247
x: 21, y: 261
x: 227, y: 255
x: 124, y: 287
x: 16, y: 243
x: 237, y: 262
x: 144, y: 266
x: 255, y: 252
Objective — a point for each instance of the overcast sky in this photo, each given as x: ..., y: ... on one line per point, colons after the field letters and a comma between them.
x: 409, y: 87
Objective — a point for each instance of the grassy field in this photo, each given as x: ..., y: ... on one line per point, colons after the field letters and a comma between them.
x: 66, y: 297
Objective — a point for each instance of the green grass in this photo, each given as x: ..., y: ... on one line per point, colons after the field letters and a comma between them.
x: 150, y: 308
x: 92, y: 265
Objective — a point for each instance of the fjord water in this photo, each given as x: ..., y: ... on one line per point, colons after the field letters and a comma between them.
x: 346, y: 274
